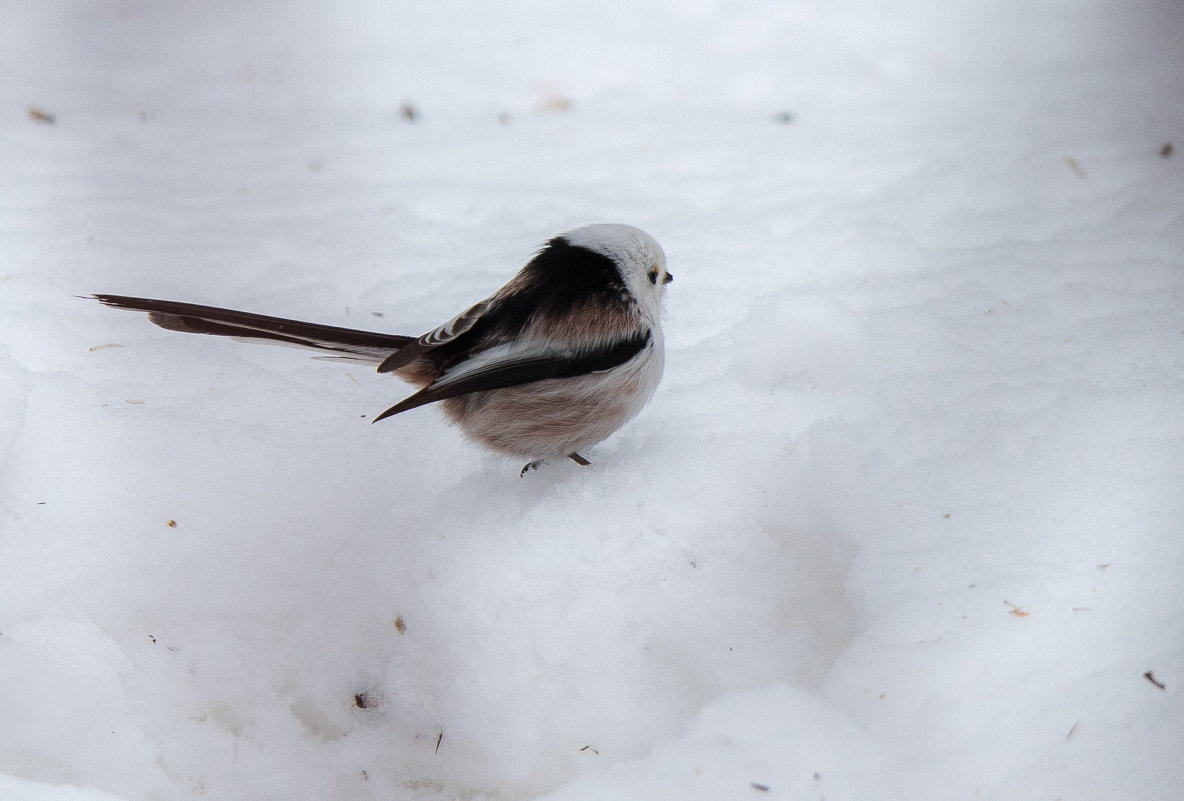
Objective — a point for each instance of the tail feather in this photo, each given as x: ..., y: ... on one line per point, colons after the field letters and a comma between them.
x: 349, y: 343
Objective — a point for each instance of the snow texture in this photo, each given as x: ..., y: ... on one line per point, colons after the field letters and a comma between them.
x: 903, y: 521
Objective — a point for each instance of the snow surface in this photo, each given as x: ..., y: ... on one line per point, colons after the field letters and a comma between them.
x: 904, y: 520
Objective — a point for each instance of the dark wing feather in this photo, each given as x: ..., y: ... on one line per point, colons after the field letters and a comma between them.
x: 514, y: 372
x: 446, y: 333
x: 560, y: 279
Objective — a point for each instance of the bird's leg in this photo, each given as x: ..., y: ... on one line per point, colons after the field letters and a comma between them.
x: 535, y: 465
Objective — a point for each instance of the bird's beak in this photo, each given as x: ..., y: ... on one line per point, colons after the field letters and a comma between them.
x: 669, y: 277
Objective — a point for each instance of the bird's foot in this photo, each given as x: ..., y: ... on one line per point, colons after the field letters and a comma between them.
x: 537, y: 463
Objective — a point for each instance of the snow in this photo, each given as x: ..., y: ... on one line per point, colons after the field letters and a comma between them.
x: 903, y: 520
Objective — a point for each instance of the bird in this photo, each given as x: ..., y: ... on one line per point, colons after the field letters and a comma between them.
x: 551, y: 364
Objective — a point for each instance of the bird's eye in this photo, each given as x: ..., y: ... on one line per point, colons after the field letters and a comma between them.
x: 669, y: 277
x: 653, y: 275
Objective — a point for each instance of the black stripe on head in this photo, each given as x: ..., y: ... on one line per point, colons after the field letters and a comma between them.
x: 563, y: 276
x: 560, y: 278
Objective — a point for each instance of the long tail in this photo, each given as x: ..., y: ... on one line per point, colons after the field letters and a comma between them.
x: 346, y: 343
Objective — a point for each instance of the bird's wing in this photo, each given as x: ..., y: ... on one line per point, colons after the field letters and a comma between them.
x: 500, y: 367
x: 442, y: 335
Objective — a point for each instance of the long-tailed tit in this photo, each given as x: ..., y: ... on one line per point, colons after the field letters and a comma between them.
x: 552, y: 363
